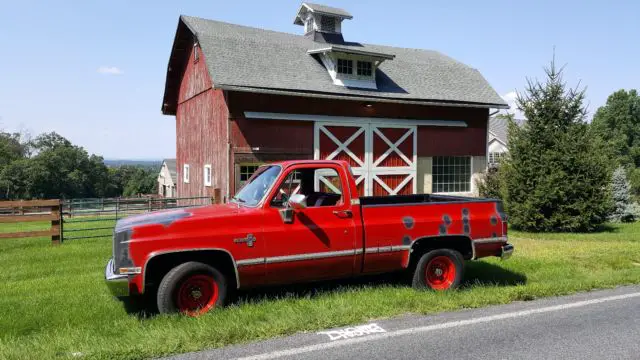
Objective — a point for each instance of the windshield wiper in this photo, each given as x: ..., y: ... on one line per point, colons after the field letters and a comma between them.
x: 237, y: 199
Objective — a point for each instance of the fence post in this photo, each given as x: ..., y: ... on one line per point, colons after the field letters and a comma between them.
x: 117, y: 206
x: 56, y: 223
x: 216, y: 196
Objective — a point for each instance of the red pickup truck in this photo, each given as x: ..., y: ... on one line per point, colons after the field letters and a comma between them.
x: 299, y: 221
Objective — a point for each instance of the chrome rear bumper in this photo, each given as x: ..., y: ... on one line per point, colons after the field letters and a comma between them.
x: 117, y: 284
x: 506, y: 252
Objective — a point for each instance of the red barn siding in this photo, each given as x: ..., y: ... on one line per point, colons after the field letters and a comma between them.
x: 195, y: 79
x: 442, y: 141
x: 239, y: 102
x: 201, y: 131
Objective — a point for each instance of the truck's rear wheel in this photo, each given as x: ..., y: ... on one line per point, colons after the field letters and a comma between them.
x: 440, y: 269
x: 192, y: 288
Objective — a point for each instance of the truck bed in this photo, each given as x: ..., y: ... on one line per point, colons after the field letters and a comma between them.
x: 417, y: 199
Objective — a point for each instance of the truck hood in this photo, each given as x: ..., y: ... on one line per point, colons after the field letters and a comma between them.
x: 167, y: 217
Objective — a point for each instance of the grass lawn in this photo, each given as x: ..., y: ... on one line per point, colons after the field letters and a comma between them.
x: 53, y: 303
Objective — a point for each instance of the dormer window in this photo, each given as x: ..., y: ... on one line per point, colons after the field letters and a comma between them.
x: 345, y: 66
x: 327, y: 23
x: 364, y: 68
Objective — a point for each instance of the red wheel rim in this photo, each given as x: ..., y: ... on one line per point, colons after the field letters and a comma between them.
x: 440, y: 273
x: 197, y: 295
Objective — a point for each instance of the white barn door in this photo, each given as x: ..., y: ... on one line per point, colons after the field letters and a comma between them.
x: 383, y: 157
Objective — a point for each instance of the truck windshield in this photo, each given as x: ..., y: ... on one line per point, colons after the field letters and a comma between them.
x: 257, y: 186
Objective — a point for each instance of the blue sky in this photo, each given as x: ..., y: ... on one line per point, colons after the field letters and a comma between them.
x: 94, y: 70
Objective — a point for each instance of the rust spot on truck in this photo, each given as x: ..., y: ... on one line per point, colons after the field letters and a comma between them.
x: 408, y: 222
x: 466, y: 223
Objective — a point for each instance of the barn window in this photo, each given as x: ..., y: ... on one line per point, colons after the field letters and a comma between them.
x: 185, y: 173
x: 494, y: 158
x: 246, y: 170
x: 207, y: 175
x: 451, y: 174
x: 196, y: 53
x: 364, y: 68
x: 345, y: 66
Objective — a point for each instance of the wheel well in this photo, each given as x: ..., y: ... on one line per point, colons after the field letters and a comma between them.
x: 159, y: 265
x: 462, y: 244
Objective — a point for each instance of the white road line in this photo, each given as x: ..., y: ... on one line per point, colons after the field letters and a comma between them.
x: 447, y: 325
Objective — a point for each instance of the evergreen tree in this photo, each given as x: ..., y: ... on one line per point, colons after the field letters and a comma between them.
x: 623, y: 209
x: 555, y: 178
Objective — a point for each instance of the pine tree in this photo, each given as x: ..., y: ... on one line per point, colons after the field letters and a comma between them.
x: 623, y: 209
x: 555, y: 177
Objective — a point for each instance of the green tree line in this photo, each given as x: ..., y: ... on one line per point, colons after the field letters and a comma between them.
x: 50, y: 167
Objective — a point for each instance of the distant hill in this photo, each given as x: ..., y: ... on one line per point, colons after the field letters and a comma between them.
x: 142, y: 163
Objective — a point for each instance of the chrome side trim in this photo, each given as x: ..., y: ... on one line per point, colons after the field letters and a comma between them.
x: 248, y: 262
x: 311, y: 256
x: 321, y: 255
x: 490, y: 240
x: 157, y: 253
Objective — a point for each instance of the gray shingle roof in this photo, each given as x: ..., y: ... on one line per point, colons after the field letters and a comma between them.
x: 171, y: 165
x: 498, y: 128
x: 252, y: 59
x: 327, y: 10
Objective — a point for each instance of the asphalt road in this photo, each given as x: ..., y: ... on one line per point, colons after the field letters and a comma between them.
x: 595, y: 325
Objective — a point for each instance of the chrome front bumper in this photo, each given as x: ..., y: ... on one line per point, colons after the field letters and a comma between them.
x: 506, y: 252
x: 117, y: 284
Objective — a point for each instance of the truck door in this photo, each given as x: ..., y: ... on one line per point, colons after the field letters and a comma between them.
x: 320, y: 243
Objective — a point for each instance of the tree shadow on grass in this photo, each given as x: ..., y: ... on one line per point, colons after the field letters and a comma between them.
x: 476, y: 273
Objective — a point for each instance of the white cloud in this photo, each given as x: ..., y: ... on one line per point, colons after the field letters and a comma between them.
x: 110, y: 70
x: 510, y: 99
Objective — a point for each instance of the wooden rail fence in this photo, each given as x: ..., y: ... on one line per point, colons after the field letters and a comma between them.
x: 22, y: 211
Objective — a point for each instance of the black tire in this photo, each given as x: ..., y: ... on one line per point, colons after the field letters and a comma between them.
x: 452, y: 260
x: 174, y: 284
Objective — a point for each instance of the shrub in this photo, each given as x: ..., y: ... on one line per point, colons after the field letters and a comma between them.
x: 489, y: 184
x: 623, y: 209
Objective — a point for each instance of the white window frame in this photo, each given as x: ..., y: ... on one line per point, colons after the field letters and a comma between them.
x: 469, y: 180
x: 185, y: 173
x: 207, y: 182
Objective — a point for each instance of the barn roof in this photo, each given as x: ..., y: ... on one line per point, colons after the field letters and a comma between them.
x: 249, y: 59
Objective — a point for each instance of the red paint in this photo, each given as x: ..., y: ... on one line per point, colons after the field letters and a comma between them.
x: 197, y: 295
x: 347, y: 230
x: 440, y: 273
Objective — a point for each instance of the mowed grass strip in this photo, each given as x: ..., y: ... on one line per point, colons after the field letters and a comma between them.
x: 53, y: 303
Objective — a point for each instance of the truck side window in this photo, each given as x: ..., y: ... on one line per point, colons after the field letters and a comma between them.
x: 320, y: 186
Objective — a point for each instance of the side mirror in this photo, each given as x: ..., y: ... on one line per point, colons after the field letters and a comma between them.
x: 297, y: 202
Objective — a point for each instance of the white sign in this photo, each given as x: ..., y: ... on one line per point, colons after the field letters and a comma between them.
x: 352, y: 332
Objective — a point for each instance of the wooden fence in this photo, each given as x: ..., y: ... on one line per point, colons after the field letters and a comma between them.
x: 23, y: 211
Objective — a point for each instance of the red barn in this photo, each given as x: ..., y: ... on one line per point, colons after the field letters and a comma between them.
x: 407, y: 120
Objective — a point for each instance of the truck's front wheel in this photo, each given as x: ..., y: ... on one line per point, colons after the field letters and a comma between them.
x: 192, y: 288
x: 440, y: 269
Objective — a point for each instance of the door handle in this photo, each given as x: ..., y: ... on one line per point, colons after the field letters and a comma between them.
x: 343, y: 214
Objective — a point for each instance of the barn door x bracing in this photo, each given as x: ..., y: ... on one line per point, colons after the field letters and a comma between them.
x: 382, y: 156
